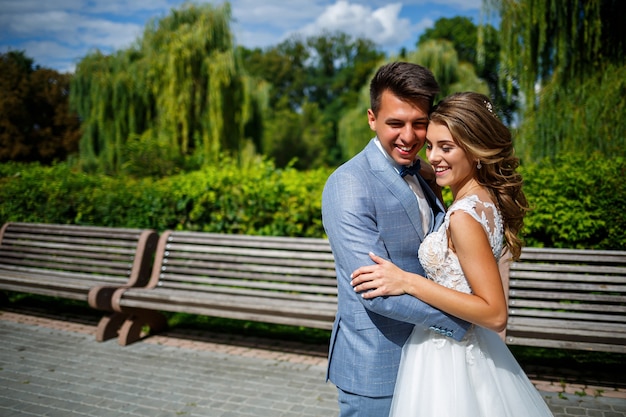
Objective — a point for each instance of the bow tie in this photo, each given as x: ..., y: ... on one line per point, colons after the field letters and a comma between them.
x: 412, y: 170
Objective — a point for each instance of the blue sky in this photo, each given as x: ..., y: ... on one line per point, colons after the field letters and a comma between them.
x: 58, y: 33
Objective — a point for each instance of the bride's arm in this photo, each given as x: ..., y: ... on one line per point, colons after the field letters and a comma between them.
x: 486, y: 306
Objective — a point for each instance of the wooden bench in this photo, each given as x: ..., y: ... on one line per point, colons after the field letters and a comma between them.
x: 281, y: 280
x: 569, y: 299
x: 68, y: 260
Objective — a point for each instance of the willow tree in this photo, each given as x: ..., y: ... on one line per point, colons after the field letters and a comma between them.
x: 437, y: 55
x: 178, y: 94
x: 567, y: 56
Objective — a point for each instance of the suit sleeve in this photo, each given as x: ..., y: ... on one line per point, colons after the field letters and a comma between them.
x: 350, y: 220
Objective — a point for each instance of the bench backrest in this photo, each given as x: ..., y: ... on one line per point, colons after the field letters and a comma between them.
x: 568, y: 298
x: 198, y: 260
x: 119, y: 256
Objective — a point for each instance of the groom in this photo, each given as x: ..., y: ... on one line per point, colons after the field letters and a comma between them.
x: 370, y: 204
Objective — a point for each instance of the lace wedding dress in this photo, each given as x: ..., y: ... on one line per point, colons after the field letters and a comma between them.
x: 477, y: 377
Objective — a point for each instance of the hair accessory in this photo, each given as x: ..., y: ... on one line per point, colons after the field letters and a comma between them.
x: 479, y: 165
x: 488, y: 105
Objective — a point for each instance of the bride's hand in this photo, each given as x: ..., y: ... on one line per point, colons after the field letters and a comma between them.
x: 381, y: 279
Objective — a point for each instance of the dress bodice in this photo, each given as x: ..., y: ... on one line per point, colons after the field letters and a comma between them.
x: 440, y: 262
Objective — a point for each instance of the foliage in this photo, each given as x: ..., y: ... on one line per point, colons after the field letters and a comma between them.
x: 585, y: 117
x: 180, y: 89
x: 297, y: 139
x: 442, y: 59
x: 255, y: 199
x: 563, y: 39
x: 577, y: 201
x: 558, y: 52
x: 35, y: 121
x: 312, y: 83
x: 478, y: 46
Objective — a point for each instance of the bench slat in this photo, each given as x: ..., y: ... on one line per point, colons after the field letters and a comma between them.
x: 71, y: 230
x: 574, y: 255
x: 38, y: 253
x: 257, y: 316
x: 195, y: 258
x: 53, y: 286
x: 521, y: 295
x: 567, y: 328
x: 282, y: 313
x: 235, y: 298
x: 556, y: 270
x: 204, y: 268
x: 597, y: 317
x: 246, y: 251
x: 42, y: 268
x: 295, y: 243
x: 567, y: 286
x: 82, y: 246
x: 520, y: 303
x: 563, y: 344
x: 210, y: 285
x: 179, y: 274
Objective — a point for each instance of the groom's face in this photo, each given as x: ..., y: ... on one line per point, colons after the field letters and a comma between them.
x: 400, y: 126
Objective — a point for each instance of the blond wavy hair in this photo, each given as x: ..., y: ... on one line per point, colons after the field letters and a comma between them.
x: 477, y: 130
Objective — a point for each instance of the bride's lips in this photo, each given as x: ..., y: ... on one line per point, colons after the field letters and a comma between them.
x: 441, y: 170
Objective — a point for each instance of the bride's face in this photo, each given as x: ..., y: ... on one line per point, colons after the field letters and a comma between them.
x: 452, y: 165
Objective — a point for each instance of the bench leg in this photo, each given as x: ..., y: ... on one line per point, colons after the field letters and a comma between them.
x: 134, y: 327
x: 109, y: 326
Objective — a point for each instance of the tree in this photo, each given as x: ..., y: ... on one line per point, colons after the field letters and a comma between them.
x: 479, y: 46
x: 35, y: 122
x: 460, y: 31
x: 284, y: 67
x: 179, y: 91
x: 312, y: 83
x: 562, y: 53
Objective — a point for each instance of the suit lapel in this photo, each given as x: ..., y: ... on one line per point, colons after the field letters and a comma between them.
x: 385, y: 172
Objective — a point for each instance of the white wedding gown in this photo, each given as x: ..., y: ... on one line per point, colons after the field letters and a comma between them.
x: 476, y: 377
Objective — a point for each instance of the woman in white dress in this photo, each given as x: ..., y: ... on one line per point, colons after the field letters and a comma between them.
x: 471, y: 152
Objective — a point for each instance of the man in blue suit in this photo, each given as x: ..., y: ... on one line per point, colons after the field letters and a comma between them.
x: 370, y: 204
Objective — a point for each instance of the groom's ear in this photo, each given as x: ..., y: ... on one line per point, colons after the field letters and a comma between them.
x: 371, y: 119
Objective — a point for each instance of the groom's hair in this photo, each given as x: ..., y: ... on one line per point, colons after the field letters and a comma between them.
x: 409, y: 82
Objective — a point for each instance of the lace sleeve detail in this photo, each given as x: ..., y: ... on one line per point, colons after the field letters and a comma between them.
x: 484, y: 213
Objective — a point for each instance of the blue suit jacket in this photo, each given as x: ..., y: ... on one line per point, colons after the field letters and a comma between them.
x: 367, y: 206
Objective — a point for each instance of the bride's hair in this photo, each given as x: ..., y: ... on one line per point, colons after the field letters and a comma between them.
x: 487, y: 141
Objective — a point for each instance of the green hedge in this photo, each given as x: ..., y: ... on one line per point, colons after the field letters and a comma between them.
x: 258, y: 200
x: 578, y: 201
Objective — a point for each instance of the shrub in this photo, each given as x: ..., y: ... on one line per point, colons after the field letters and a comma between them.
x: 577, y: 201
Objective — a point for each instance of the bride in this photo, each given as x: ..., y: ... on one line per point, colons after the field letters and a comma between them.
x: 472, y: 153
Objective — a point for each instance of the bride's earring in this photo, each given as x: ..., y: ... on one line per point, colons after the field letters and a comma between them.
x: 479, y: 165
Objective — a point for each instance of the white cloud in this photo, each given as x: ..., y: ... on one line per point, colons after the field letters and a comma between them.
x: 456, y: 4
x: 384, y: 26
